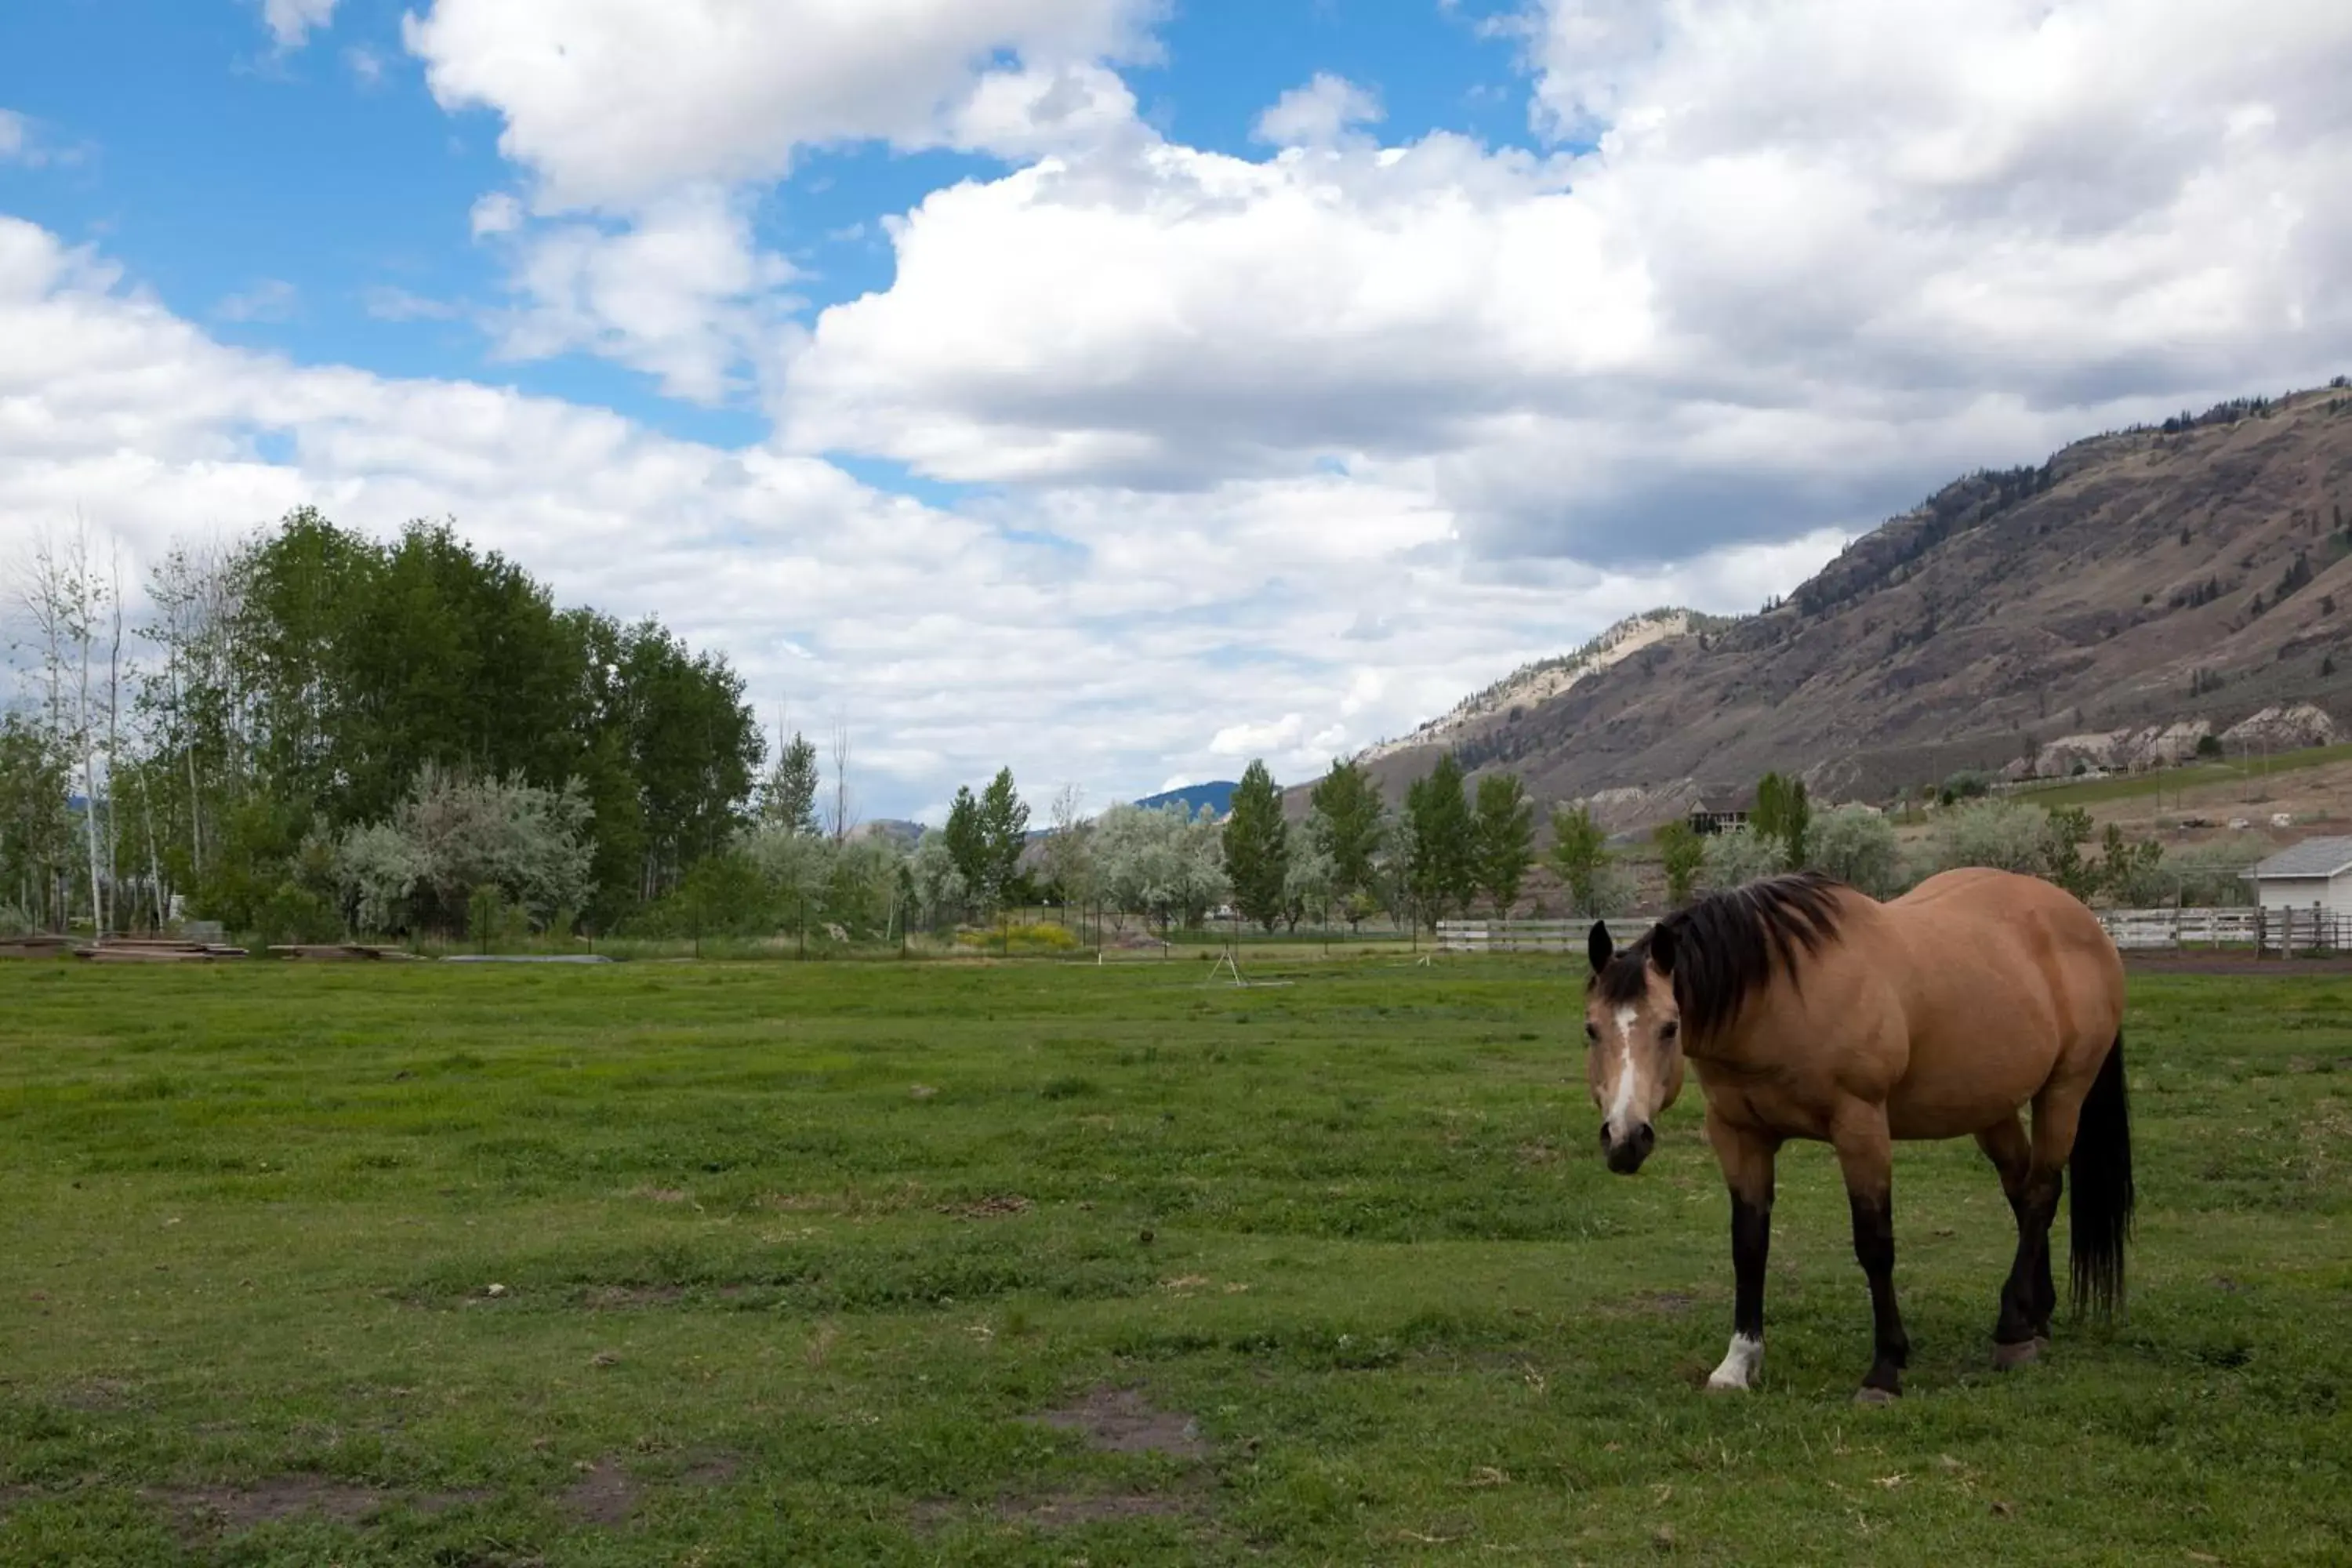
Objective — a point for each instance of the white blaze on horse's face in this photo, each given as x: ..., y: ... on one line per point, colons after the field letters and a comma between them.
x: 1633, y: 1059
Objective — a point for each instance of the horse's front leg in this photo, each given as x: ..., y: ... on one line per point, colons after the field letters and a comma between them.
x: 1747, y: 1157
x: 1866, y: 1156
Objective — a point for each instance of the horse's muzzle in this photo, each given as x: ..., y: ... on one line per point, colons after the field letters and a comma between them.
x: 1625, y: 1154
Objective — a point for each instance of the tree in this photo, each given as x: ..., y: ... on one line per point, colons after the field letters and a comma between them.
x: 1857, y: 846
x: 1069, y: 863
x: 1307, y: 886
x: 1684, y: 850
x: 1580, y: 858
x: 1164, y: 865
x: 843, y: 818
x: 1348, y: 827
x: 36, y: 849
x: 788, y: 795
x: 454, y: 837
x: 1004, y: 833
x: 2064, y: 831
x: 2131, y: 874
x: 1505, y: 825
x: 1442, y: 858
x: 965, y: 841
x: 933, y: 878
x: 66, y: 601
x: 1782, y: 814
x: 1256, y: 843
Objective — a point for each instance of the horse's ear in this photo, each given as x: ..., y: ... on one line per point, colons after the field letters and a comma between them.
x: 1662, y: 948
x: 1598, y: 947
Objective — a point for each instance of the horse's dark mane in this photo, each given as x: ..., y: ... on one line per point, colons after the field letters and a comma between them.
x: 1728, y: 946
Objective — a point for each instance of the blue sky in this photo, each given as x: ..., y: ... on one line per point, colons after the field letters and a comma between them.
x: 1121, y: 390
x: 215, y: 164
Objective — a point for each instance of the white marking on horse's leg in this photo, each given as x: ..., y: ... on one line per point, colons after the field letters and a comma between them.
x: 1623, y: 1101
x: 1740, y: 1364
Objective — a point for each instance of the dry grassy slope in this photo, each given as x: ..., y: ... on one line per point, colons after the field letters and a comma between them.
x: 2007, y: 610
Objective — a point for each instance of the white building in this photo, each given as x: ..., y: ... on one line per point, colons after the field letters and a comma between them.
x: 2316, y: 872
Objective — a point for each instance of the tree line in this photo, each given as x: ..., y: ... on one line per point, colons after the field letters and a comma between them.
x: 314, y: 731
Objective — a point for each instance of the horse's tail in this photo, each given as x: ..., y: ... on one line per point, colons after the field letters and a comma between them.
x: 2103, y: 1197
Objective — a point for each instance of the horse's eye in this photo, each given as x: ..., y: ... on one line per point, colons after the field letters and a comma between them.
x: 1671, y: 1030
x: 1592, y: 1030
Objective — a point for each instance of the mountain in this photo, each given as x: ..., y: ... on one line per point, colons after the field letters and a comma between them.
x: 1548, y: 677
x: 2137, y: 591
x: 1217, y: 797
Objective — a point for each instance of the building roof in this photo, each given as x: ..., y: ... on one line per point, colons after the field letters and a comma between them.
x: 2312, y: 857
x: 1723, y: 802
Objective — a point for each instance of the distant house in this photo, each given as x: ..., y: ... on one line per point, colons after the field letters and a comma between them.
x: 2316, y: 872
x: 1722, y: 811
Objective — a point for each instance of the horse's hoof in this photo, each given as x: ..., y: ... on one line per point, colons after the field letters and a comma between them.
x: 1875, y: 1396
x: 2006, y: 1357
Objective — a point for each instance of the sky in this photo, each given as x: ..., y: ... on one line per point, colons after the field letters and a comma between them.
x: 1122, y: 389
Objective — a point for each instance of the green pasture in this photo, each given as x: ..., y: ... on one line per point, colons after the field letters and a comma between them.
x: 1052, y: 1263
x: 2256, y: 769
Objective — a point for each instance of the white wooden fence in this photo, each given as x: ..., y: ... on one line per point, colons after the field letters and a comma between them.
x: 2267, y: 931
x: 1530, y: 936
x: 2283, y: 932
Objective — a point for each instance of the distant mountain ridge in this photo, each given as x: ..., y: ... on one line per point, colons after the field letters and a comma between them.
x: 1218, y: 797
x: 2197, y: 572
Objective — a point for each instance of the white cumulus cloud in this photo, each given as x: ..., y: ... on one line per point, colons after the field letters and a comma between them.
x: 1819, y: 257
x: 291, y: 22
x: 1093, y: 634
x: 1318, y: 114
x: 615, y: 102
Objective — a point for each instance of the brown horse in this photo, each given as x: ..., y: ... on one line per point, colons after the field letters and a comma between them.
x: 1812, y: 1010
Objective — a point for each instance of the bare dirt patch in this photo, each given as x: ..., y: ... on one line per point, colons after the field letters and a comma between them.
x: 1122, y: 1421
x: 604, y: 1494
x: 234, y: 1508
x: 659, y: 1195
x: 1059, y: 1511
x: 998, y: 1205
x: 618, y: 1297
x: 97, y: 1394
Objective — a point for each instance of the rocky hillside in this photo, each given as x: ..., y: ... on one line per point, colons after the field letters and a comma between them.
x: 1548, y: 677
x: 2137, y: 590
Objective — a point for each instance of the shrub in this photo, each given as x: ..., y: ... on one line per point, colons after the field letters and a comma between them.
x: 1967, y: 784
x: 1736, y: 858
x: 1859, y: 846
x: 2210, y: 875
x: 1999, y: 834
x: 294, y: 915
x: 1020, y: 936
x: 485, y: 913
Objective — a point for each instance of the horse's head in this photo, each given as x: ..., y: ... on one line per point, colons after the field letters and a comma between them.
x: 1632, y: 1029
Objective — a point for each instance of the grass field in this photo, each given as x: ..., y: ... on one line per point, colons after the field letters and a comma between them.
x: 739, y: 1264
x: 2182, y: 780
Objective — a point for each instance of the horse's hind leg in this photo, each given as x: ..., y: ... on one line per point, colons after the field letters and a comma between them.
x: 2029, y: 1297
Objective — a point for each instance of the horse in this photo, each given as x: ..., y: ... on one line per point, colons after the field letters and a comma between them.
x: 1811, y: 1010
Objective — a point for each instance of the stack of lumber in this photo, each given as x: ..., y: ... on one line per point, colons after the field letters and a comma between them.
x: 34, y: 946
x: 156, y: 950
x: 339, y: 952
